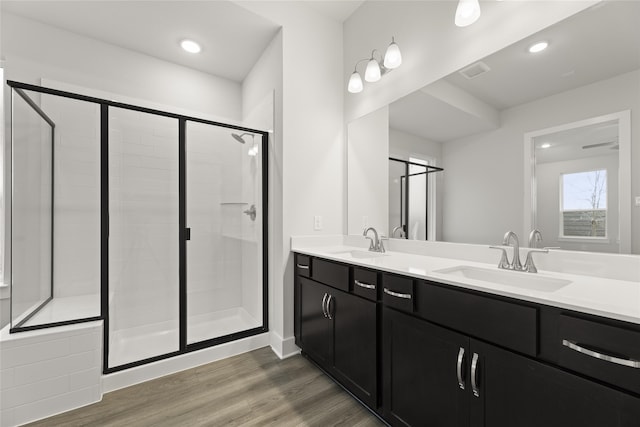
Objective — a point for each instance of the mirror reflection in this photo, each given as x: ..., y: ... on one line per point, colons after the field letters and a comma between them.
x: 474, y: 124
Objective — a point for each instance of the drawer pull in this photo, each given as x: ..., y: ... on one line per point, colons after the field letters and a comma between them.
x: 613, y: 359
x: 302, y: 266
x: 364, y: 285
x: 474, y: 375
x: 397, y: 294
x: 459, y: 368
x: 324, y: 302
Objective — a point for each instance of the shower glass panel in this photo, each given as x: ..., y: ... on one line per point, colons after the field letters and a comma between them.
x: 143, y: 289
x: 397, y: 205
x: 417, y: 202
x: 223, y: 214
x: 56, y: 210
x: 32, y: 210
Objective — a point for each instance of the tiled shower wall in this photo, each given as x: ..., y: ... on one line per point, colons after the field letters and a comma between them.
x: 49, y: 371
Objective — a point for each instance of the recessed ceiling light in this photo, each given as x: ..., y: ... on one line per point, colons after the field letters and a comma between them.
x: 538, y: 47
x: 190, y: 46
x: 545, y: 145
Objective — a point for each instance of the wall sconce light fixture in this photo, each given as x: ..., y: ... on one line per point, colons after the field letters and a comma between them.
x: 374, y: 71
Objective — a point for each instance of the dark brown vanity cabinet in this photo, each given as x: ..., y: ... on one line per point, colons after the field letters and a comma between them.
x: 453, y: 357
x: 433, y: 376
x: 339, y: 332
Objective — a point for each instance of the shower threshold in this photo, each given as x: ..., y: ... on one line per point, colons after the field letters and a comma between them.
x: 139, y: 343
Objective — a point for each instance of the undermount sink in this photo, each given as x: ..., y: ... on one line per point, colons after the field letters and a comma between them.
x: 514, y: 279
x: 359, y: 254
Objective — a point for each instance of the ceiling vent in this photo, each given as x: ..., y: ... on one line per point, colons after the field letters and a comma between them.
x: 474, y: 70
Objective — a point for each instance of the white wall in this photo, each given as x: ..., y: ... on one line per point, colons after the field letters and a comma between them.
x: 264, y: 81
x: 368, y: 172
x: 487, y: 169
x: 432, y: 46
x: 313, y: 150
x: 33, y: 50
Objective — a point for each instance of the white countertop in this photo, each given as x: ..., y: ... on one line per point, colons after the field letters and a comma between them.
x: 615, y: 299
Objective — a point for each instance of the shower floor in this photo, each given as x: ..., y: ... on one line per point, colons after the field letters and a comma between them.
x: 134, y: 344
x: 61, y: 309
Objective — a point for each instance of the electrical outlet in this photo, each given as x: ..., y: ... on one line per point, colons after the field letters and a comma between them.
x: 317, y: 222
x: 637, y: 200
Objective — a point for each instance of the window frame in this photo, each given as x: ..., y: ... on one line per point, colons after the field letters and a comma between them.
x: 562, y: 237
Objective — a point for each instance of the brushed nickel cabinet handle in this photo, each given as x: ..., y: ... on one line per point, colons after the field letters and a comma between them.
x: 474, y: 375
x: 324, y: 302
x: 631, y: 363
x: 459, y: 368
x: 329, y: 307
x: 302, y: 266
x: 364, y: 285
x: 397, y: 294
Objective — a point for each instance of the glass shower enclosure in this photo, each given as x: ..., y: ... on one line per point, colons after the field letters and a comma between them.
x: 170, y: 213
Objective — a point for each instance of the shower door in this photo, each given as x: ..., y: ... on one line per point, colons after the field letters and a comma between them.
x: 224, y: 282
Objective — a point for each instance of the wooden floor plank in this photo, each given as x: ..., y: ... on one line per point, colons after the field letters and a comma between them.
x: 252, y: 389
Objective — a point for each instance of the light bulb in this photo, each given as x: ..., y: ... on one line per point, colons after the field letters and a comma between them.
x: 355, y: 83
x: 392, y: 57
x: 538, y: 47
x: 190, y: 46
x: 372, y: 73
x: 467, y: 13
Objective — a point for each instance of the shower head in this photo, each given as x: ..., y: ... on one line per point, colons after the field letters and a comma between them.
x: 240, y: 138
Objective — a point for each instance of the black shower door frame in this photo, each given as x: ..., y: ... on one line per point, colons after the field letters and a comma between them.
x: 183, y: 231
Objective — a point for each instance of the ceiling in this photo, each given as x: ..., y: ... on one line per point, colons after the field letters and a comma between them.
x: 599, y: 43
x: 338, y: 10
x: 232, y: 38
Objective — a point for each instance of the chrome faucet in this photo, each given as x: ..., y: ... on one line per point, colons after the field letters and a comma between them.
x: 534, y: 237
x: 398, y: 228
x: 515, y: 262
x: 376, y: 243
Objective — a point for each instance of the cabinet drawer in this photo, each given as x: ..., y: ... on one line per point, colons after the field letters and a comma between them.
x: 303, y: 265
x: 508, y: 324
x: 365, y: 283
x: 398, y: 292
x: 331, y: 273
x: 608, y: 353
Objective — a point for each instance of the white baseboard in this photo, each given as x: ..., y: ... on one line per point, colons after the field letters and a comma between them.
x: 283, y: 348
x: 139, y: 374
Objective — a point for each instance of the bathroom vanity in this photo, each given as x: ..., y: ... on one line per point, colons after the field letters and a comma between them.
x: 421, y: 341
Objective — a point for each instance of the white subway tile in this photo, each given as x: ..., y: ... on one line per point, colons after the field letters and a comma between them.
x: 84, y: 342
x: 84, y: 379
x: 7, y: 418
x: 42, y: 370
x: 86, y: 360
x: 23, y: 355
x: 7, y: 378
x: 36, y: 391
x: 54, y: 405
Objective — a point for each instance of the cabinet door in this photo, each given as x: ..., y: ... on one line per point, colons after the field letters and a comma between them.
x: 316, y: 334
x: 420, y: 373
x: 517, y: 391
x: 355, y: 344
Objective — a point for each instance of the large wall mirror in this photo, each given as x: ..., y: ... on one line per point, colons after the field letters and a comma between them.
x: 488, y: 125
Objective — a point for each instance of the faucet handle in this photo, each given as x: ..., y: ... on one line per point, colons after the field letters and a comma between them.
x: 504, y: 260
